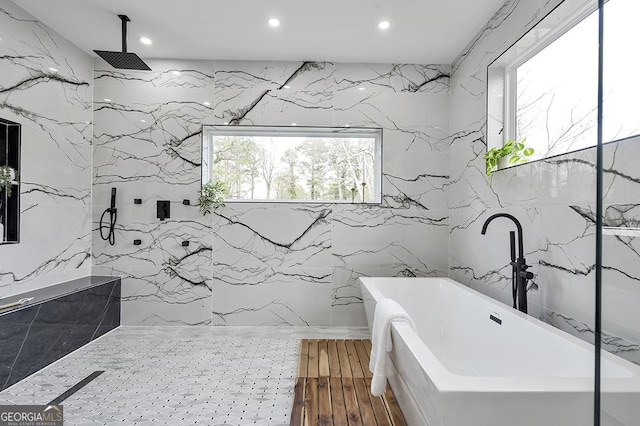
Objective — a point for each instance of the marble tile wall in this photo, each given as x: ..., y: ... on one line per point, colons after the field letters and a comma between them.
x: 262, y: 263
x: 554, y: 199
x: 297, y: 264
x: 55, y: 110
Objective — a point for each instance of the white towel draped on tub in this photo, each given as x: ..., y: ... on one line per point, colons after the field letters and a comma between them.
x: 387, y: 311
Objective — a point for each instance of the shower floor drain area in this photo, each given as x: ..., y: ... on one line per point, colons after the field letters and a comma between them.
x: 170, y: 376
x: 333, y: 387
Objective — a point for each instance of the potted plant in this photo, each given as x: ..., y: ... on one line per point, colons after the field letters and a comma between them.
x: 211, y: 196
x: 8, y: 177
x: 511, y: 153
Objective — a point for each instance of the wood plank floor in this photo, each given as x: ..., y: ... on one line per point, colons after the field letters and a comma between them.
x: 334, y: 387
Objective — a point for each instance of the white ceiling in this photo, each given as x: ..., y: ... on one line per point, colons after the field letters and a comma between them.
x: 422, y: 31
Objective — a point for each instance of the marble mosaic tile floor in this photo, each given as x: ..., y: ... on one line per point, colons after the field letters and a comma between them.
x: 178, y: 376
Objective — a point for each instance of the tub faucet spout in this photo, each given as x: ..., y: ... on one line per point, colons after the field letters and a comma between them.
x: 520, y: 276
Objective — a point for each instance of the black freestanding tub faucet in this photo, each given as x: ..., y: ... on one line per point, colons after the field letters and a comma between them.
x: 519, y: 275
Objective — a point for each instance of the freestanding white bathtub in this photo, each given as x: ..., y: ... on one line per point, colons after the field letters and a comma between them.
x: 475, y: 362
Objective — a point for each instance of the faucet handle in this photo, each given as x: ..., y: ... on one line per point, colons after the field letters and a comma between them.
x: 526, y: 274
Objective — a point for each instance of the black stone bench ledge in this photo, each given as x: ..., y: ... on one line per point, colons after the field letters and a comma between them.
x: 60, y: 319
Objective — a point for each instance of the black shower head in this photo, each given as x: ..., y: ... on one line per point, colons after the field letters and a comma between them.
x: 124, y: 59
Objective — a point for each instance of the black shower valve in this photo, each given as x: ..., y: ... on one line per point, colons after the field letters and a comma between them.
x: 163, y: 210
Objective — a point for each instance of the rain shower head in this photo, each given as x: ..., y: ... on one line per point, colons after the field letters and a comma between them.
x: 124, y: 59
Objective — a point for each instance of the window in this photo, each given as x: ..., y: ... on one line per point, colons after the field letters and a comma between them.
x: 294, y: 163
x: 556, y: 92
x: 543, y: 89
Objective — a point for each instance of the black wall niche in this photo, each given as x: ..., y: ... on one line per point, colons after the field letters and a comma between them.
x: 10, y: 134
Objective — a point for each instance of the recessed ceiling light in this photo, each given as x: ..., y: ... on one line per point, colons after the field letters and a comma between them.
x: 145, y: 40
x: 274, y: 22
x: 384, y: 25
x: 52, y: 69
x: 107, y: 100
x: 360, y: 88
x: 175, y: 72
x: 206, y: 103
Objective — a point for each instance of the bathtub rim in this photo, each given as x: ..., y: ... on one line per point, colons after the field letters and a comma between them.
x: 446, y: 381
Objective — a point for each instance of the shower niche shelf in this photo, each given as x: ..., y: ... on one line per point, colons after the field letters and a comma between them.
x: 10, y: 134
x: 621, y: 231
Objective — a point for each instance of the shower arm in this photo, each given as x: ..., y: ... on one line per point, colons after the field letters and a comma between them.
x: 124, y: 19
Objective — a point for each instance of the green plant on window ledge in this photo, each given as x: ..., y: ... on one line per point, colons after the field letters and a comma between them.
x: 8, y: 176
x: 516, y: 152
x: 211, y: 196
